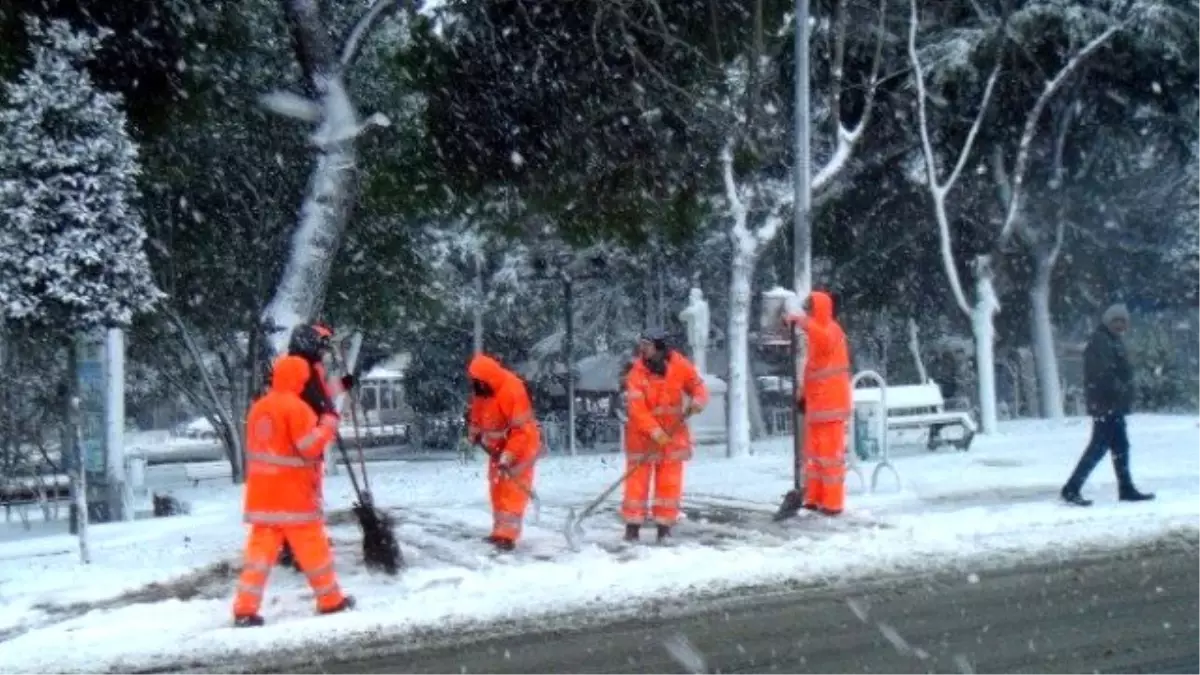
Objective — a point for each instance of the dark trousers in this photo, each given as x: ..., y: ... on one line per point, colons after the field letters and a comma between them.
x: 1108, y: 433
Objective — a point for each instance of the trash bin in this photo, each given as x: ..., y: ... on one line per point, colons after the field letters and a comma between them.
x: 868, y: 425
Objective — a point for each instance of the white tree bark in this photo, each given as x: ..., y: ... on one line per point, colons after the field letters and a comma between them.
x: 914, y: 348
x: 1044, y: 355
x: 1017, y: 224
x: 749, y: 241
x: 983, y: 327
x: 738, y: 443
x: 982, y: 313
x: 331, y: 193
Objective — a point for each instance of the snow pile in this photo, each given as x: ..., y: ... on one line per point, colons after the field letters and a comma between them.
x: 995, y: 503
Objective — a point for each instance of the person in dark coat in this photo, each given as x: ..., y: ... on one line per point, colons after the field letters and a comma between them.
x: 1108, y: 385
x: 311, y: 342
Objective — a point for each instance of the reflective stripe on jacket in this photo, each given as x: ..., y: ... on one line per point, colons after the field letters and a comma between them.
x: 657, y: 403
x: 285, y: 441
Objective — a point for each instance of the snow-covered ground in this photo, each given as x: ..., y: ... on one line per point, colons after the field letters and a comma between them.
x: 993, y: 504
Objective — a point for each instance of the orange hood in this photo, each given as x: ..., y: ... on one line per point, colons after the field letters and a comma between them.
x: 289, y: 374
x: 822, y: 306
x: 487, y: 370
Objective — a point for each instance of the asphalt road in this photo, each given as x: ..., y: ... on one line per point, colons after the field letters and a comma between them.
x: 1129, y: 612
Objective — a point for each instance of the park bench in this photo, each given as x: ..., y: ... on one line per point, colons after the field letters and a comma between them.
x: 198, y: 471
x: 920, y: 406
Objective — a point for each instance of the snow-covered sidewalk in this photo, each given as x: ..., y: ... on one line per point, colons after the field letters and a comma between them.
x: 158, y: 591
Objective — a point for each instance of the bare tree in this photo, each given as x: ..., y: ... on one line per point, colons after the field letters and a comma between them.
x: 757, y: 205
x: 1044, y: 242
x: 985, y: 306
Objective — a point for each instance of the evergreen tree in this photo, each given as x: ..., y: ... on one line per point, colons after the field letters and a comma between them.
x: 71, y: 256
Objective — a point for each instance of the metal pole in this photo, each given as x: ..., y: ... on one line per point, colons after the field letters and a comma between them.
x: 478, y: 306
x: 120, y: 496
x: 569, y: 354
x: 802, y: 226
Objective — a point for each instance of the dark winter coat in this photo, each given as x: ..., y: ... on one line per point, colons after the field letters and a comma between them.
x: 1107, y: 375
x: 315, y: 393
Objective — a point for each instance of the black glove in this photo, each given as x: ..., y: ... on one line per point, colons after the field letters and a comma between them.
x: 348, y: 382
x: 800, y: 405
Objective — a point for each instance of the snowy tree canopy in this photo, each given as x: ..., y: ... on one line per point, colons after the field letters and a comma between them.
x: 71, y: 256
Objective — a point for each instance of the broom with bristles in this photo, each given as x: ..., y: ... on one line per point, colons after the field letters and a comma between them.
x: 381, y: 550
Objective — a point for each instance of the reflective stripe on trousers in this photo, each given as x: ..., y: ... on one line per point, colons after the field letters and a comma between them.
x: 310, y: 545
x: 283, y: 517
x: 826, y: 373
x: 506, y: 524
x: 816, y: 416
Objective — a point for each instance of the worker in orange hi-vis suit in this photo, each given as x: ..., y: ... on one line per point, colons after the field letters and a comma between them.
x: 657, y: 439
x: 501, y: 420
x: 285, y: 441
x: 826, y: 403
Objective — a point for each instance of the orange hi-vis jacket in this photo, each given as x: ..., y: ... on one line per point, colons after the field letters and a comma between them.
x: 656, y: 405
x: 284, y: 444
x: 826, y: 391
x: 504, y: 422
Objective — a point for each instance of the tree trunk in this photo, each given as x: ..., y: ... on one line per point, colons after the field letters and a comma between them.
x: 331, y: 187
x: 1042, y: 326
x: 737, y: 341
x: 758, y: 422
x: 914, y: 348
x: 983, y: 329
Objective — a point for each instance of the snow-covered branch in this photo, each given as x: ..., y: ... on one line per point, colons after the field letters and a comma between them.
x: 354, y: 39
x: 938, y: 189
x: 1031, y: 123
x: 847, y: 139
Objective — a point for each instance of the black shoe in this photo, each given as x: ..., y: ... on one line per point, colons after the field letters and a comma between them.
x: 664, y: 532
x: 347, y: 602
x: 1073, y: 497
x: 632, y: 531
x: 504, y: 544
x: 1132, y: 495
x: 248, y: 621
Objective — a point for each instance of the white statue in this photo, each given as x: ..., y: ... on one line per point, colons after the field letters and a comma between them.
x: 695, y: 317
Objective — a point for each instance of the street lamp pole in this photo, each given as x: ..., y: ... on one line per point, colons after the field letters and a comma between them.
x: 802, y: 226
x: 569, y: 357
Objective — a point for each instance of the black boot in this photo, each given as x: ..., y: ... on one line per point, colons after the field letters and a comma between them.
x: 1126, y: 492
x: 664, y: 532
x: 504, y: 544
x: 632, y: 531
x: 1072, y: 496
x: 347, y: 602
x: 248, y: 621
x: 1131, y: 494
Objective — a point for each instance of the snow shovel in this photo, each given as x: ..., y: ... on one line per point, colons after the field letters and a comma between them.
x: 573, y: 530
x: 793, y: 501
x: 381, y: 550
x: 529, y: 491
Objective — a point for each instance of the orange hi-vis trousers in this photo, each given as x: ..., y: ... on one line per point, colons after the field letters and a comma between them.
x: 508, y: 499
x: 310, y: 546
x: 667, y: 476
x: 825, y: 466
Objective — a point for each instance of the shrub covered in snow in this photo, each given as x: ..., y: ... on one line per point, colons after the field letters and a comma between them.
x: 71, y: 256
